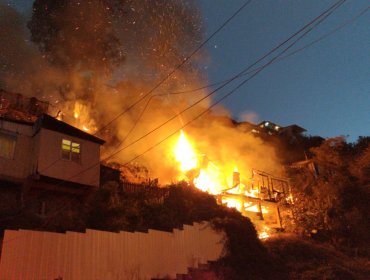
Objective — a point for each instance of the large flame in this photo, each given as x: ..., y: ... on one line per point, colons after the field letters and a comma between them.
x: 185, y: 154
x: 210, y: 178
x: 82, y: 118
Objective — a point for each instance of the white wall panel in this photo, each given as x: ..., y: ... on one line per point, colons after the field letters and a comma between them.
x: 106, y: 255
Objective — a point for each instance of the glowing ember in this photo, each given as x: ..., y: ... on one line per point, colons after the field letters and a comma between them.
x: 81, y: 113
x: 225, y: 181
x: 251, y: 207
x: 264, y: 234
x: 77, y: 110
x: 252, y: 193
x: 185, y: 154
x: 232, y: 203
x: 59, y: 117
x: 209, y: 180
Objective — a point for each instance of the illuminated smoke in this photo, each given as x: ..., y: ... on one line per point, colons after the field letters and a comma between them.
x: 75, y: 72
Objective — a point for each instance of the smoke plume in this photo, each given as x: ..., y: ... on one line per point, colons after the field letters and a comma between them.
x: 93, y: 59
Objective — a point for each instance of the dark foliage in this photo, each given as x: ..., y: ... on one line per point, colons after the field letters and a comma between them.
x: 292, y: 149
x: 309, y: 260
x: 333, y: 206
x: 245, y: 257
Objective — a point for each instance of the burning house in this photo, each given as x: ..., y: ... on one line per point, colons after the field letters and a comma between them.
x: 39, y: 151
x: 40, y: 154
x: 44, y: 148
x: 256, y: 194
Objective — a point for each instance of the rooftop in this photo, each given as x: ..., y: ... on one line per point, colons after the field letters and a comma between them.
x: 51, y: 123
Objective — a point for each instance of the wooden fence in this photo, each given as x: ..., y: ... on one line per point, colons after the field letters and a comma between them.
x: 100, y: 255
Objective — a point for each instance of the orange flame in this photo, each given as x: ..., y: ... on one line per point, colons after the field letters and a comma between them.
x: 83, y: 120
x: 77, y: 110
x: 185, y: 154
x: 212, y: 180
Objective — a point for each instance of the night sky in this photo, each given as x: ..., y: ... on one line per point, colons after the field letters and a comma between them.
x: 325, y: 88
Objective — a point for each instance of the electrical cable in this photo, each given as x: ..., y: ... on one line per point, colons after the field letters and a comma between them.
x: 213, y: 105
x: 113, y: 154
x: 324, y: 15
x: 170, y: 74
x: 338, y: 4
x: 176, y: 68
x: 241, y: 74
x: 326, y: 35
x: 318, y: 20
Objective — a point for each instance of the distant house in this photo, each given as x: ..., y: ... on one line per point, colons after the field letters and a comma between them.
x: 266, y: 128
x: 272, y: 128
x: 48, y: 152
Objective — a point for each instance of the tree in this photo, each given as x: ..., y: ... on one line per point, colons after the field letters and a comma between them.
x: 334, y: 206
x: 76, y: 35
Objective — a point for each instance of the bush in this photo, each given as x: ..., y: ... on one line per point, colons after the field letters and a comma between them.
x: 334, y: 206
x: 308, y: 260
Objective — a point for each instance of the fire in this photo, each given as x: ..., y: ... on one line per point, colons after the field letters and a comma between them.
x: 233, y: 203
x: 185, y: 154
x: 77, y: 110
x: 207, y: 176
x: 82, y: 119
x: 252, y: 193
x: 232, y: 191
x: 264, y: 234
x: 209, y: 179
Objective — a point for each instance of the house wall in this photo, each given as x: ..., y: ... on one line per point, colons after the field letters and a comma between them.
x: 18, y: 167
x: 50, y: 162
x: 107, y: 255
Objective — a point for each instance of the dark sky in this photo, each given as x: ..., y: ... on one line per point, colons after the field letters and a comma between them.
x: 325, y: 88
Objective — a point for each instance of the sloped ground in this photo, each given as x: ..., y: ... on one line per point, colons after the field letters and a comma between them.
x: 309, y: 260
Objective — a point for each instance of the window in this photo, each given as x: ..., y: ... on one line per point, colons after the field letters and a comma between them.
x: 7, y: 145
x: 71, y: 150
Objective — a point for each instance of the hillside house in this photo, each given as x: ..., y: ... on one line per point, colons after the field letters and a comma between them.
x: 45, y: 165
x: 48, y: 151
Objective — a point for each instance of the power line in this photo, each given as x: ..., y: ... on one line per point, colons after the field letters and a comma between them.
x: 336, y: 5
x: 221, y: 99
x: 316, y: 21
x: 326, y: 35
x: 320, y: 18
x: 324, y: 15
x: 176, y: 68
x: 241, y: 74
x: 163, y: 80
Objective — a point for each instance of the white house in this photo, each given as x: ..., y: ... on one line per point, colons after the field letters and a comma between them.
x: 48, y: 151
